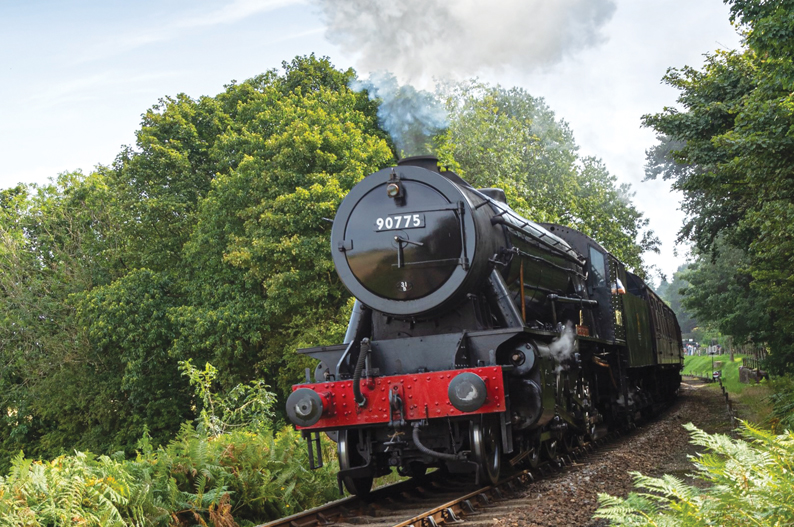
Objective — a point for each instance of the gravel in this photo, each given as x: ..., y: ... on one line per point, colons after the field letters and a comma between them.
x: 658, y: 447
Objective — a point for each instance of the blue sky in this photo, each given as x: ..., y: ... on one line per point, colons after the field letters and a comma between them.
x: 77, y: 75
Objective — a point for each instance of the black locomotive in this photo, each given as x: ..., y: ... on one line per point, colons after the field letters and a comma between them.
x: 477, y: 336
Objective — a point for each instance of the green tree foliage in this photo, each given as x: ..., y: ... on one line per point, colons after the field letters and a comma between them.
x: 508, y: 139
x: 204, y: 241
x: 734, y: 149
x: 672, y: 293
x: 720, y: 290
x: 56, y: 388
x: 258, y: 273
x: 748, y: 481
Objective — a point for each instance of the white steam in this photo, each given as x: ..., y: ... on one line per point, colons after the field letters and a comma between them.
x: 411, y: 116
x: 420, y: 40
x: 562, y: 347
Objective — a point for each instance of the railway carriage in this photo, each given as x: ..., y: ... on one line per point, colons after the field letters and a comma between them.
x: 478, y: 337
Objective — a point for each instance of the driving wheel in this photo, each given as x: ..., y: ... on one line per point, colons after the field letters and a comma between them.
x: 569, y: 443
x: 486, y: 448
x: 550, y: 448
x: 349, y: 457
x: 533, y: 460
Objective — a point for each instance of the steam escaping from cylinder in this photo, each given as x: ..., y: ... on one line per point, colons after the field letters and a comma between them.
x: 420, y: 40
x: 411, y: 116
x: 562, y: 347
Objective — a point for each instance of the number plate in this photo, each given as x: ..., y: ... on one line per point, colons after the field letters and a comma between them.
x: 400, y: 222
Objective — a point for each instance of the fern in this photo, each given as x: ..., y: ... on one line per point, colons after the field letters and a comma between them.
x: 244, y: 475
x: 750, y: 483
x: 67, y: 490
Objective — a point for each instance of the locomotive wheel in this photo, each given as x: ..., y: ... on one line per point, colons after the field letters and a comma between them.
x: 550, y: 448
x: 533, y: 460
x: 591, y: 431
x: 349, y: 457
x: 486, y: 448
x: 418, y: 470
x: 568, y: 443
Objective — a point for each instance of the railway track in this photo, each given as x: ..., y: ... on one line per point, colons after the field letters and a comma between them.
x: 441, y: 498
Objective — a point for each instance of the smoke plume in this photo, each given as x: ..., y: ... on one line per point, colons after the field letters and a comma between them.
x: 411, y: 116
x: 420, y: 40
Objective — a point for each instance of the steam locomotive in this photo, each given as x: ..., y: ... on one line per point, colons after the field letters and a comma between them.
x: 478, y: 337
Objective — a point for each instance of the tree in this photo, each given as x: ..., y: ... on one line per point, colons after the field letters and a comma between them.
x: 734, y: 151
x: 244, y: 263
x: 204, y: 241
x: 259, y: 270
x: 54, y: 388
x: 673, y: 293
x: 506, y: 138
x: 714, y: 198
x: 720, y: 291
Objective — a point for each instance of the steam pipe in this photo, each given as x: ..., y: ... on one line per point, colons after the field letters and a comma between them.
x: 460, y: 456
x: 357, y: 328
x: 503, y: 300
x: 523, y: 301
x: 571, y: 300
x: 361, y: 400
x: 355, y: 321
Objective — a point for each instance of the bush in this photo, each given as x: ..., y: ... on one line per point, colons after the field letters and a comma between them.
x: 239, y: 478
x: 750, y: 483
x: 231, y: 470
x: 70, y: 490
x: 782, y: 400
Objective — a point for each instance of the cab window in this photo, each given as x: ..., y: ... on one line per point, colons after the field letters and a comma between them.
x: 597, y: 269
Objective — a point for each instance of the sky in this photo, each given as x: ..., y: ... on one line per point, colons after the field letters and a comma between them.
x: 77, y: 75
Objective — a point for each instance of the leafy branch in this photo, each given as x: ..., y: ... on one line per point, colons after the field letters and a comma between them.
x: 244, y: 406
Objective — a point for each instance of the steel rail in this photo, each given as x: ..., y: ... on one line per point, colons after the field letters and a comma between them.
x: 447, y: 512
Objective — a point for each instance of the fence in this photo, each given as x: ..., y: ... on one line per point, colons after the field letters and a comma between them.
x: 707, y: 376
x: 752, y: 363
x: 729, y: 405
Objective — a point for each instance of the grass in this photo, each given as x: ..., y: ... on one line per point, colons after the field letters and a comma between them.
x: 702, y: 365
x: 752, y: 399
